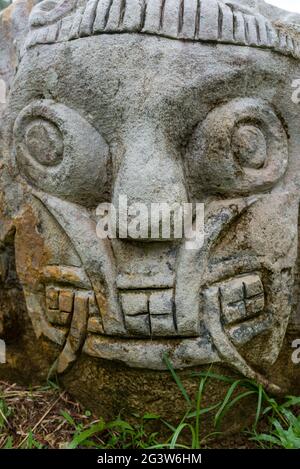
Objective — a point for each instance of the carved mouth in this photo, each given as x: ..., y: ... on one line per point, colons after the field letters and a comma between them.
x: 149, y: 312
x: 140, y: 282
x: 139, y: 302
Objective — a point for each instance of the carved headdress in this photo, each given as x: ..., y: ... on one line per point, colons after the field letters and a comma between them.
x: 245, y: 22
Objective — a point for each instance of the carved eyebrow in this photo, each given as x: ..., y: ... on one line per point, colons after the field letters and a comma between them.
x: 193, y: 20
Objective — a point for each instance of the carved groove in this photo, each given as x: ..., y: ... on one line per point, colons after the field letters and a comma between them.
x: 181, y: 16
x: 220, y: 22
x: 246, y: 26
x: 197, y: 23
x: 122, y: 12
x: 162, y: 13
x: 143, y: 14
x: 257, y: 32
x: 106, y: 18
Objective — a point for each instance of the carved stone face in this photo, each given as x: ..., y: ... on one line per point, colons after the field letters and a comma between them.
x: 157, y: 120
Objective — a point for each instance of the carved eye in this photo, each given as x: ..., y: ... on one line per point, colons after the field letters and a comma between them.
x: 249, y: 146
x: 241, y: 147
x: 60, y: 153
x: 44, y: 142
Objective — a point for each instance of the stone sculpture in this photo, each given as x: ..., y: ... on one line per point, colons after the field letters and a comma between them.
x: 161, y: 101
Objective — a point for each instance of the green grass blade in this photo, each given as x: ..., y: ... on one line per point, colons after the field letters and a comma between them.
x: 198, y: 410
x: 178, y: 432
x: 209, y: 374
x: 259, y: 405
x: 206, y: 410
x: 232, y: 403
x: 167, y: 446
x: 292, y: 401
x: 219, y: 414
x: 267, y: 438
x: 177, y: 379
x: 86, y: 434
x: 68, y: 418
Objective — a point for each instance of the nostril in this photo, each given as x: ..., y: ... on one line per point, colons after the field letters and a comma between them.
x: 148, y: 222
x: 150, y: 173
x: 132, y: 220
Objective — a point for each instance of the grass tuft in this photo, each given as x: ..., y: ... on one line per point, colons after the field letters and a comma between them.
x: 46, y: 417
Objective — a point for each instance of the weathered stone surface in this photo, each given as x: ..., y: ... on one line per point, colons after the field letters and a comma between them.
x: 159, y: 103
x: 13, y: 30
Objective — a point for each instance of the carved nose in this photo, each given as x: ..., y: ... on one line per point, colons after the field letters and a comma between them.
x: 150, y: 173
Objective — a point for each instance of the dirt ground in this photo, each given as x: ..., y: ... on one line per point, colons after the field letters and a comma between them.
x: 36, y: 418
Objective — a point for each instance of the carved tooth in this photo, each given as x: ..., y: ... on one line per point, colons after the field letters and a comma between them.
x: 95, y: 326
x: 52, y: 295
x: 161, y: 303
x: 57, y: 318
x: 77, y: 334
x: 66, y: 298
x: 134, y: 304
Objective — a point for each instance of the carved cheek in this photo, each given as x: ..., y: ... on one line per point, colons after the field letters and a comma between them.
x: 240, y: 148
x: 59, y: 152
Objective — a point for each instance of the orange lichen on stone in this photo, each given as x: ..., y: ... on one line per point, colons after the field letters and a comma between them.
x: 31, y: 253
x: 7, y: 13
x: 102, y: 304
x: 71, y: 275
